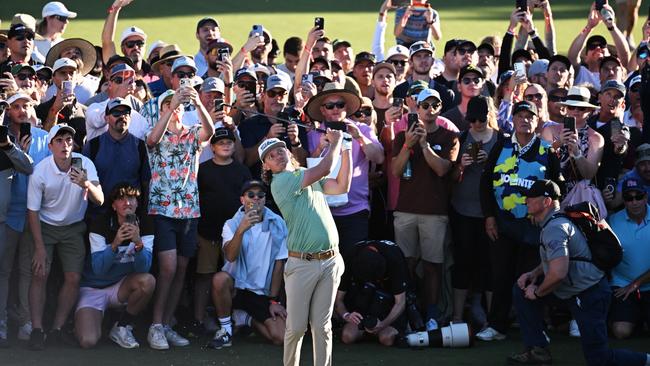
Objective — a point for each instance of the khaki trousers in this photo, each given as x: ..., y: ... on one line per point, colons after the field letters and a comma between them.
x: 311, y: 288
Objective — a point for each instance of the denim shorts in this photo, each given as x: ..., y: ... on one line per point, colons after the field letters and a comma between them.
x: 175, y: 234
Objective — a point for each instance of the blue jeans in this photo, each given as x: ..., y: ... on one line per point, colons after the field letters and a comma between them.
x: 589, y: 309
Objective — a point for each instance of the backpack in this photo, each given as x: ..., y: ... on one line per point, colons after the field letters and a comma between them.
x: 606, y: 250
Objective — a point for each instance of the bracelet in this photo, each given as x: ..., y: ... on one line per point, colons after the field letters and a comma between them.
x: 345, y: 315
x: 610, y: 28
x: 382, y: 14
x: 110, y: 9
x: 229, y: 85
x: 242, y: 50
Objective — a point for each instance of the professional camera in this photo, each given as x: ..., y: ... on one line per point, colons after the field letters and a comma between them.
x: 413, y: 314
x: 373, y: 304
x: 286, y: 116
x: 456, y: 335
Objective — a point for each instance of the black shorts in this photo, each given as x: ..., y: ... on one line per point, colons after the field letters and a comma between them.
x: 257, y: 306
x: 632, y: 310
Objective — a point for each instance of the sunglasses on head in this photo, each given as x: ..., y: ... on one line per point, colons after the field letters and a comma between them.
x: 556, y: 98
x: 363, y: 112
x: 574, y: 108
x: 593, y: 46
x: 117, y: 113
x: 24, y: 76
x: 532, y: 97
x: 426, y: 105
x: 183, y: 74
x: 463, y: 51
x: 251, y: 194
x: 61, y: 18
x: 276, y: 93
x: 468, y: 81
x: 330, y: 106
x: 22, y: 37
x: 131, y: 44
x: 634, y: 197
x: 398, y: 62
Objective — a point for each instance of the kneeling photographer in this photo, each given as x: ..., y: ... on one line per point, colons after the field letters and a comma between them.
x: 372, y: 294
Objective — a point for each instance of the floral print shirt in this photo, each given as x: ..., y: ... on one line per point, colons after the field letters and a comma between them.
x: 173, y: 191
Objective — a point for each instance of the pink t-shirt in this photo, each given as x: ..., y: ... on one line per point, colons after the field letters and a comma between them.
x: 393, y: 181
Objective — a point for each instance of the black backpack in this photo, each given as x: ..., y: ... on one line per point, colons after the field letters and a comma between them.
x: 606, y: 250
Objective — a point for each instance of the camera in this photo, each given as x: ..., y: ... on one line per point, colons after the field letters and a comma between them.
x: 413, y: 314
x: 373, y: 304
x: 456, y: 335
x: 287, y: 116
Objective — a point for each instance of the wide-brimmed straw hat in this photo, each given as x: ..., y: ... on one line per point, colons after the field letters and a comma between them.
x: 352, y: 101
x: 88, y: 53
x: 578, y: 96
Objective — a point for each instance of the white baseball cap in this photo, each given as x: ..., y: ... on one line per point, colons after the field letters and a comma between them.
x: 18, y: 96
x: 184, y: 61
x: 133, y: 31
x: 426, y: 94
x: 268, y: 145
x: 156, y: 44
x: 63, y: 62
x: 58, y: 129
x: 57, y: 8
x: 397, y: 50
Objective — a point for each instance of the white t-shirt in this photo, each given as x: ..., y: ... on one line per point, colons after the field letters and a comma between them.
x: 58, y: 200
x: 96, y: 124
x: 586, y: 76
x: 257, y: 252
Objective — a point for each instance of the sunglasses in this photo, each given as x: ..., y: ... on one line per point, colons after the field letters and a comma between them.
x: 251, y: 194
x: 593, y: 46
x: 320, y: 82
x: 330, y: 106
x: 245, y: 84
x: 272, y: 93
x: 363, y: 112
x: 643, y: 55
x: 635, y: 88
x: 131, y: 44
x: 22, y: 37
x: 120, y: 80
x: 556, y: 98
x: 634, y: 197
x: 532, y: 97
x: 61, y: 18
x: 468, y: 81
x: 426, y: 105
x: 117, y: 113
x: 24, y: 76
x: 463, y: 51
x: 398, y: 62
x: 183, y: 74
x: 2, y: 46
x: 574, y: 108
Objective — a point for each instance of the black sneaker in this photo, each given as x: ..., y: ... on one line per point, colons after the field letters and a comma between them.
x: 532, y: 356
x: 195, y: 329
x: 61, y: 338
x: 37, y: 340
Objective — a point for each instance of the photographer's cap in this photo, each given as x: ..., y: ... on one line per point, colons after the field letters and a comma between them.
x: 268, y: 145
x: 544, y: 188
x: 63, y: 62
x: 58, y: 130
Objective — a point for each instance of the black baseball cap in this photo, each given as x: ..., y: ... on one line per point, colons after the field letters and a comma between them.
x: 521, y: 53
x: 610, y: 58
x: 252, y: 184
x: 560, y: 58
x: 205, y: 21
x: 365, y: 56
x: 368, y: 265
x: 220, y: 134
x: 469, y: 69
x: 524, y: 106
x: 596, y: 39
x: 477, y: 109
x: 544, y: 188
x: 340, y: 43
x: 488, y: 47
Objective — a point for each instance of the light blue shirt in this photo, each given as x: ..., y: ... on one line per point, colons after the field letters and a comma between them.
x: 17, y: 211
x: 635, y: 240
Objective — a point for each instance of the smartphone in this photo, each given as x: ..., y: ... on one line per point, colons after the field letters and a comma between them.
x: 77, y: 163
x: 223, y: 54
x: 522, y: 5
x: 412, y: 120
x: 398, y: 102
x: 307, y: 78
x: 599, y: 4
x: 341, y: 126
x: 610, y: 184
x: 258, y: 29
x: 570, y: 124
x: 520, y: 68
x: 131, y: 219
x: 4, y: 133
x: 186, y: 82
x: 66, y: 87
x: 474, y: 149
x: 319, y: 23
x: 25, y: 129
x: 218, y: 105
x: 616, y: 126
x: 251, y: 87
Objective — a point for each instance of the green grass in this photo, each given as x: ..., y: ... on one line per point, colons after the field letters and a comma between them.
x: 175, y: 21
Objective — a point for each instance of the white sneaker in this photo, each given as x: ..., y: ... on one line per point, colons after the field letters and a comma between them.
x: 432, y: 324
x: 156, y: 337
x: 25, y: 331
x: 123, y: 336
x: 174, y: 338
x: 574, y: 331
x: 490, y: 334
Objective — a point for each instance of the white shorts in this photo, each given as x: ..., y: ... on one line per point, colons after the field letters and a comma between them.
x: 100, y: 298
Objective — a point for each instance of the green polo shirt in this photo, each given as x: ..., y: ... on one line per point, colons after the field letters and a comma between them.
x: 305, y: 210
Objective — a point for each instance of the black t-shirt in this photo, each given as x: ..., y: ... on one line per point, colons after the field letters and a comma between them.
x: 219, y: 192
x: 395, y: 280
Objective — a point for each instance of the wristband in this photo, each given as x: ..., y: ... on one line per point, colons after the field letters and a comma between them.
x: 381, y: 14
x: 110, y: 9
x: 610, y: 28
x: 347, y: 313
x: 532, y: 32
x: 243, y: 50
x: 229, y: 85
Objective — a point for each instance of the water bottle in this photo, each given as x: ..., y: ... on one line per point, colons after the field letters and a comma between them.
x: 408, y: 171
